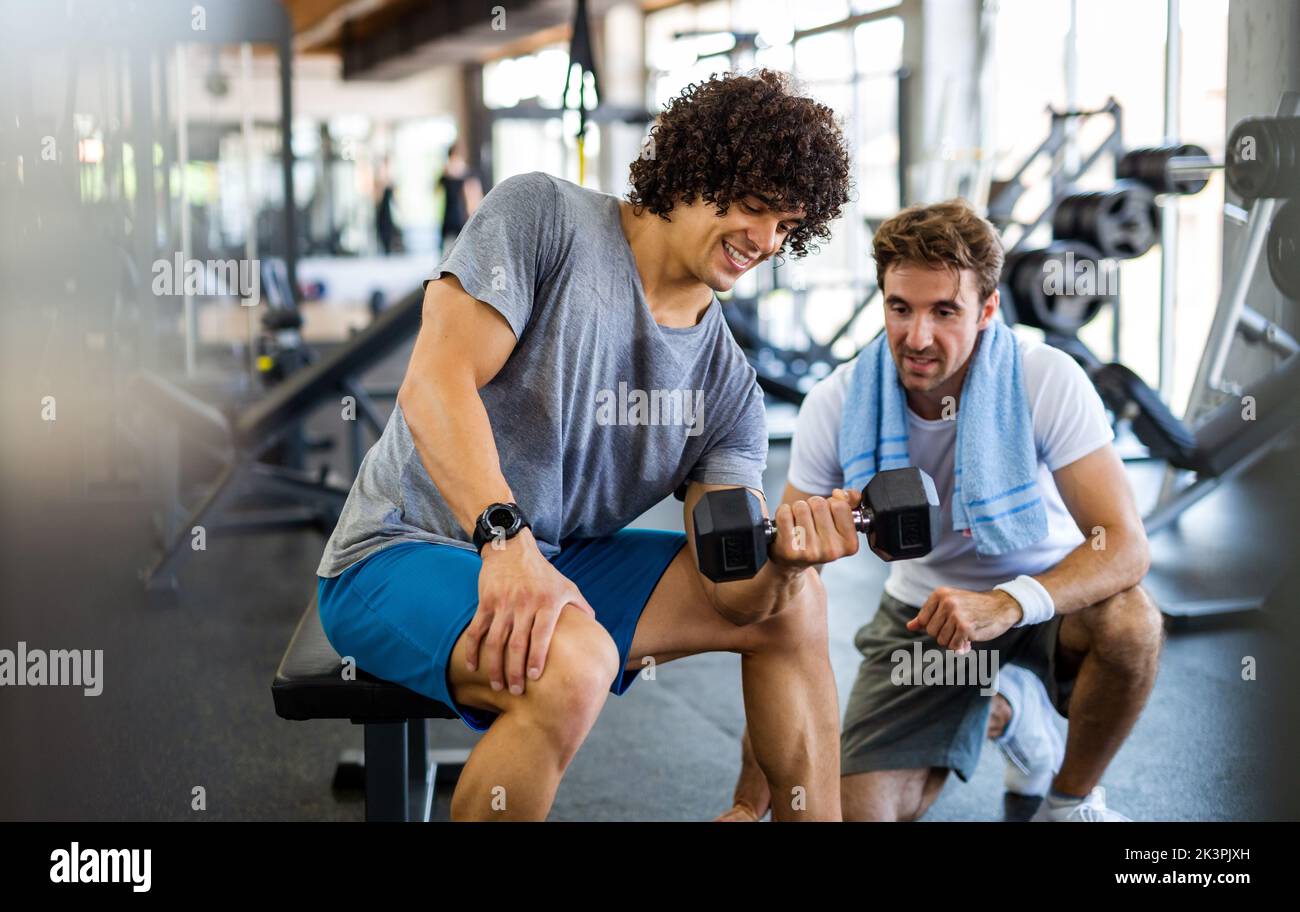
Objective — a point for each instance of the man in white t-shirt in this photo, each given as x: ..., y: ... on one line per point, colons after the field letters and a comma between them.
x: 1083, y: 636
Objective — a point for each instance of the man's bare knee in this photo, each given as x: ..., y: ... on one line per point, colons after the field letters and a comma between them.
x: 890, y: 796
x: 1124, y: 629
x: 563, y: 704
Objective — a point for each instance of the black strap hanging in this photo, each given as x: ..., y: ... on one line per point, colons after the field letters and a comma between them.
x: 581, y: 55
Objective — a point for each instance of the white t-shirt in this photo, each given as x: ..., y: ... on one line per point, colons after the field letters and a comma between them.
x: 1069, y: 422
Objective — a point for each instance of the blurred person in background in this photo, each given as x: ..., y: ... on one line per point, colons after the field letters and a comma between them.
x: 462, y: 194
x: 386, y: 227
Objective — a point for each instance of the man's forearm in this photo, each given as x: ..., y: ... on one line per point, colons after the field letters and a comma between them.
x: 1088, y: 574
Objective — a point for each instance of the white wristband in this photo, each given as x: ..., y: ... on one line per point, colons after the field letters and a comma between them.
x: 1035, y: 601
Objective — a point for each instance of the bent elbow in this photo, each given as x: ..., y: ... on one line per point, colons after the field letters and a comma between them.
x: 1141, y: 551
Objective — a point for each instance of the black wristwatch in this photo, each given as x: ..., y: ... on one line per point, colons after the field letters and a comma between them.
x: 499, y: 521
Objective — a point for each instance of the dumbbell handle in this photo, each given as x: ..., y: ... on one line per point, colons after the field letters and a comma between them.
x: 862, y: 519
x: 1192, y: 164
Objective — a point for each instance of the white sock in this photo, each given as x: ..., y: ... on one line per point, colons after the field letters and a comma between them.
x: 1057, y: 800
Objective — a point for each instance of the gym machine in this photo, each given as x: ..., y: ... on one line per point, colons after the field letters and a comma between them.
x: 1212, y: 443
x: 1262, y: 167
x: 239, y: 442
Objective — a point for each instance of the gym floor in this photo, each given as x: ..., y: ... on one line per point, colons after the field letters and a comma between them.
x: 198, y: 712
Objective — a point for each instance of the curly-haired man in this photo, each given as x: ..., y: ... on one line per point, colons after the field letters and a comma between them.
x: 573, y: 369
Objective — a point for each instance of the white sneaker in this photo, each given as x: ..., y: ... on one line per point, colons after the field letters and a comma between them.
x: 1032, y: 743
x: 1090, y: 810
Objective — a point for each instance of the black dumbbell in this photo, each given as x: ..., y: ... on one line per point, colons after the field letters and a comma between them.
x: 899, y: 513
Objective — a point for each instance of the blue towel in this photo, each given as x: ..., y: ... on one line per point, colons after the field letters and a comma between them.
x: 995, y: 494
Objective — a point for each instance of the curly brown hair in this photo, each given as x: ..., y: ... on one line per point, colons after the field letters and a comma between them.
x: 739, y: 134
x: 948, y: 235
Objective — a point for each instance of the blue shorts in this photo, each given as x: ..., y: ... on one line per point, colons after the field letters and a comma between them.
x: 399, y: 611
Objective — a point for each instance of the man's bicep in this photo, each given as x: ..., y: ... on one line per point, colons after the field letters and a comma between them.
x: 458, y: 334
x: 1095, y: 489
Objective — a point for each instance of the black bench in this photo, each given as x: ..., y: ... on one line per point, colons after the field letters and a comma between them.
x: 398, y: 768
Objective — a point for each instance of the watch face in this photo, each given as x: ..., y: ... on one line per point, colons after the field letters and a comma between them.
x: 502, y: 518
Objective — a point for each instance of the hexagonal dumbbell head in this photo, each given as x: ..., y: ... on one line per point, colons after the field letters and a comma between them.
x: 730, y: 534
x: 903, y: 507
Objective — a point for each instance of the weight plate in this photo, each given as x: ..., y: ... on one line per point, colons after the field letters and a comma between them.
x: 1061, y: 287
x: 1263, y: 157
x: 1284, y: 249
x: 1120, y: 222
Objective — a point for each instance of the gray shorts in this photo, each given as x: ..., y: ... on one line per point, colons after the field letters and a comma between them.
x: 893, y: 723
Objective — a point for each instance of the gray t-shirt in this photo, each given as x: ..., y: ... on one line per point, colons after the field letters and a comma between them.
x: 599, y: 412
